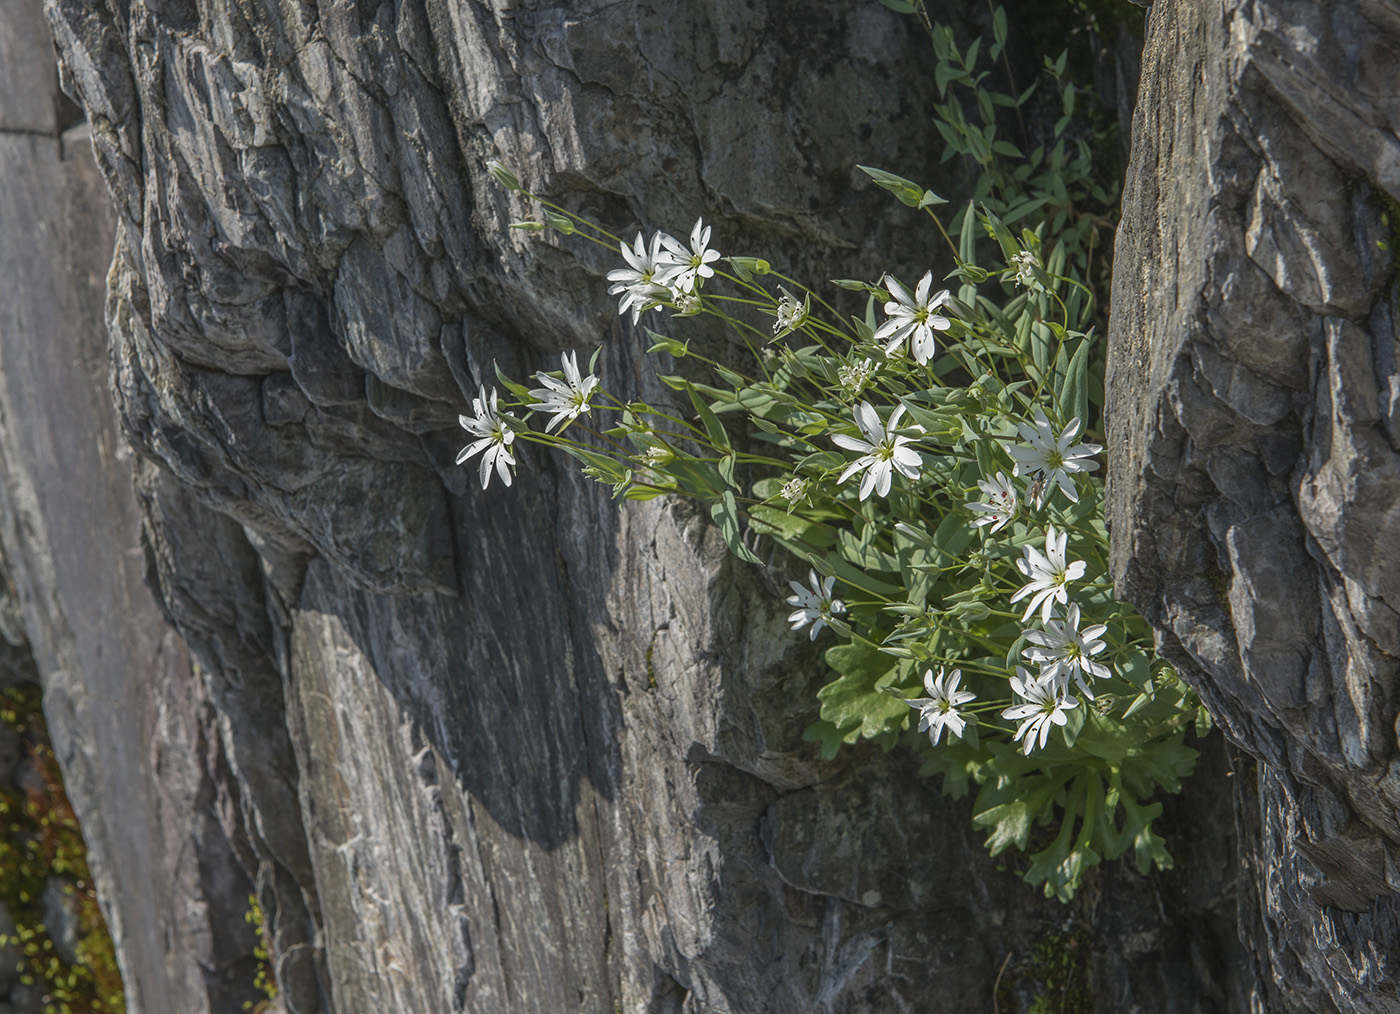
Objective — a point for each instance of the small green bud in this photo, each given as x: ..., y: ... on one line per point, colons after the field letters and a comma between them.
x: 559, y: 223
x: 670, y: 345
x: 528, y: 226
x: 502, y: 175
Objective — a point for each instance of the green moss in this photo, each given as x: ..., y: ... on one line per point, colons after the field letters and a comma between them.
x: 264, y: 980
x: 1056, y: 973
x: 1220, y: 585
x: 1061, y: 964
x: 39, y: 840
x: 1390, y: 219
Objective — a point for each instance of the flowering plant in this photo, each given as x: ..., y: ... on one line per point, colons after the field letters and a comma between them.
x: 925, y: 464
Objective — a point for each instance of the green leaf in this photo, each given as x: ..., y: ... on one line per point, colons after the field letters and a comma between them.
x: 998, y: 230
x: 1072, y: 387
x: 519, y: 390
x: 714, y: 429
x: 852, y: 701
x: 614, y: 470
x: 863, y: 555
x: 1011, y: 821
x: 726, y: 470
x: 698, y: 478
x: 725, y: 512
x: 826, y: 734
x: 853, y: 576
x: 791, y: 527
x: 967, y: 239
x: 952, y: 537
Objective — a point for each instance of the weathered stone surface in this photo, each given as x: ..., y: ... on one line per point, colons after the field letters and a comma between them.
x: 1256, y: 482
x: 125, y: 711
x: 510, y: 751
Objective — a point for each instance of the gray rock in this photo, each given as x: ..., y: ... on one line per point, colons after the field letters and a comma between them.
x: 125, y: 709
x: 1253, y: 453
x: 62, y: 918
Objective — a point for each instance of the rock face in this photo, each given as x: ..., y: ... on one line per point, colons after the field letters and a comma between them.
x: 510, y: 751
x: 131, y: 727
x: 1255, y: 427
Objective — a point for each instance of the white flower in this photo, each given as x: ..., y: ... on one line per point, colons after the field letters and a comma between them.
x: 637, y: 283
x: 684, y: 268
x: 1064, y: 651
x: 938, y: 709
x: 913, y: 317
x: 854, y: 376
x: 656, y: 454
x: 568, y: 398
x: 1052, y: 456
x: 815, y: 604
x: 794, y: 491
x: 791, y: 313
x: 1048, y: 573
x: 1045, y: 705
x: 1000, y: 505
x: 881, y: 451
x: 494, y: 437
x: 1025, y: 263
x: 687, y: 304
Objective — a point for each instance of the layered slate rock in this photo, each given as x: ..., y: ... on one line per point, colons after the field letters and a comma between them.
x: 130, y: 719
x: 1255, y: 503
x: 517, y: 750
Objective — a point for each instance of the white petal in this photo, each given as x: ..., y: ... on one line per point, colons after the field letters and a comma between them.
x: 869, y: 422
x: 899, y: 292
x: 854, y: 467
x: 921, y: 291
x: 883, y: 474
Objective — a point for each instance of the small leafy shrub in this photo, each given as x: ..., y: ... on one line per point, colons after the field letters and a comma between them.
x: 39, y: 840
x: 926, y: 464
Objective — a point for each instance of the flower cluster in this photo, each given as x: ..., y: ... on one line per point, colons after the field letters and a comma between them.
x: 928, y: 470
x: 663, y: 271
x: 565, y: 398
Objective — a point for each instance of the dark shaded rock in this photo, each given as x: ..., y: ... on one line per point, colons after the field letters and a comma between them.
x: 1254, y: 494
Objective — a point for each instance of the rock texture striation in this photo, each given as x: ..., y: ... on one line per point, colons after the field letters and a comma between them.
x: 511, y: 751
x: 1255, y: 428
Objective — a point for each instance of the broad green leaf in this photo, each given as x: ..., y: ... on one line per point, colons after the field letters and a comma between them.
x: 827, y: 735
x: 1072, y: 394
x: 1011, y: 821
x: 852, y: 701
x: 725, y: 512
x: 863, y: 555
x: 792, y: 527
